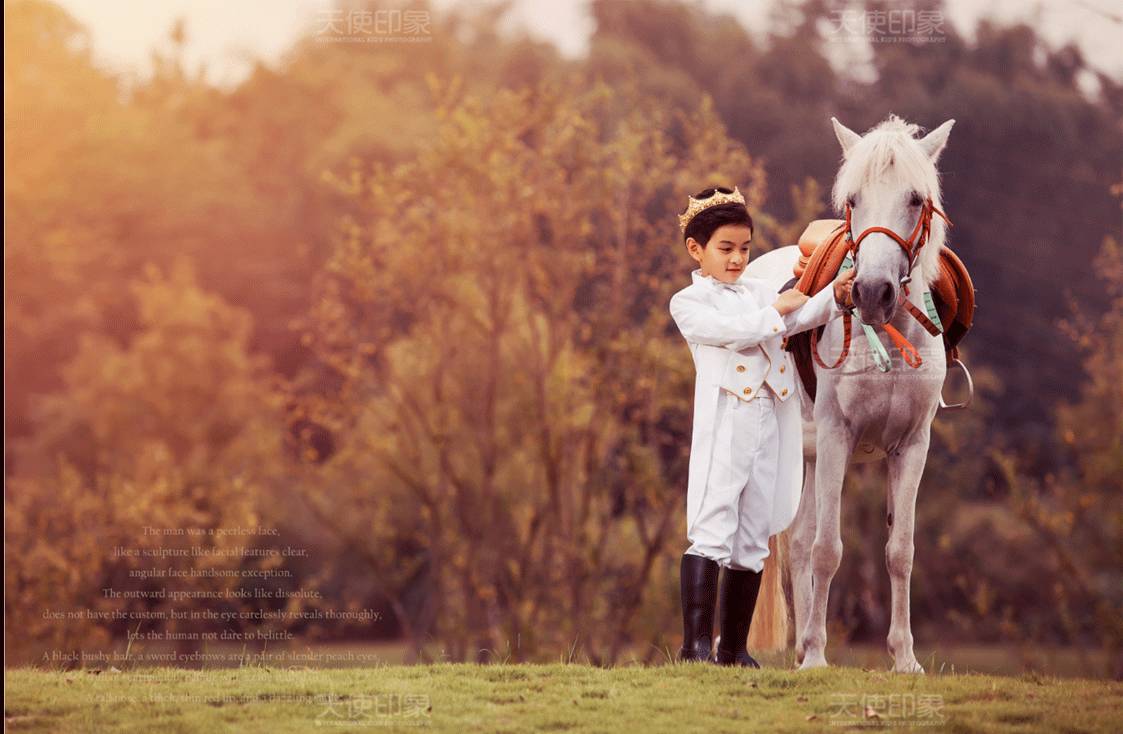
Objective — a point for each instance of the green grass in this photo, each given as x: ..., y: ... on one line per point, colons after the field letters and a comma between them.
x: 507, y: 698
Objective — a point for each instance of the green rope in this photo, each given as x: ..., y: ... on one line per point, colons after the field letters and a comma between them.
x: 933, y: 315
x: 880, y: 355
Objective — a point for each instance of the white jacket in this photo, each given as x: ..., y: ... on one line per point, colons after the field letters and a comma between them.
x: 740, y: 350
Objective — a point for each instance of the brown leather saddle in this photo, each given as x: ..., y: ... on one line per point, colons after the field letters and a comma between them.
x: 823, y: 247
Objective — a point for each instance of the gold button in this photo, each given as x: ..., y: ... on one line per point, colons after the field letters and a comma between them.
x: 781, y: 368
x: 784, y: 392
x: 740, y: 368
x: 775, y: 328
x: 748, y: 390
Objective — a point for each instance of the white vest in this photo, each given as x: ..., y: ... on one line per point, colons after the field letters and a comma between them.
x: 736, y: 345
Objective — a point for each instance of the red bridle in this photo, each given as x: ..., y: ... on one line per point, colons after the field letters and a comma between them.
x: 912, y: 245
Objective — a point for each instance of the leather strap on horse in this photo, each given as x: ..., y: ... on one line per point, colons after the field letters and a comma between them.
x: 824, y: 248
x: 907, y: 350
x: 846, y: 331
x: 916, y: 240
x: 921, y: 317
x: 912, y: 247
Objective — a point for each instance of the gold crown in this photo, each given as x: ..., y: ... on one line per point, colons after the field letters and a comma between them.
x: 697, y: 206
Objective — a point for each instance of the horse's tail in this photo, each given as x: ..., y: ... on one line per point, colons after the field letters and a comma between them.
x: 769, y: 630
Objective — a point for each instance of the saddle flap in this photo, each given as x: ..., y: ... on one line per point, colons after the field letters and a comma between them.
x: 954, y: 294
x: 825, y: 258
x: 817, y: 233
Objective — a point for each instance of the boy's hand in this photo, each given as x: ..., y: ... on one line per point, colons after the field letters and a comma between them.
x: 789, y: 301
x: 842, y: 286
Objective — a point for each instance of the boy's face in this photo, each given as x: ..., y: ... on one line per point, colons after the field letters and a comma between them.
x: 726, y: 254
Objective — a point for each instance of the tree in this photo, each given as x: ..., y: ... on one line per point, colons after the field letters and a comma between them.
x: 512, y: 401
x: 178, y: 429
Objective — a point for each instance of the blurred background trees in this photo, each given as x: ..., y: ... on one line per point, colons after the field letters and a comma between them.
x: 407, y: 303
x: 494, y: 317
x: 177, y: 429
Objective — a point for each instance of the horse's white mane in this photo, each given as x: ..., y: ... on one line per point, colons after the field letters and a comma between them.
x: 889, y: 153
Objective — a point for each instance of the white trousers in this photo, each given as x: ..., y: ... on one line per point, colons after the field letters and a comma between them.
x: 732, y: 524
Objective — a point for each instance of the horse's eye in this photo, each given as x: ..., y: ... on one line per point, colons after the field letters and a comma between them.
x: 850, y: 202
x: 915, y: 199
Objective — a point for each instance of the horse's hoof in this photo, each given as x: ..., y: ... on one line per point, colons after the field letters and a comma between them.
x: 813, y: 661
x: 911, y: 666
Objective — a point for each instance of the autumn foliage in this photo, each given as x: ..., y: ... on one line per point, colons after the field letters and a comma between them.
x: 408, y: 306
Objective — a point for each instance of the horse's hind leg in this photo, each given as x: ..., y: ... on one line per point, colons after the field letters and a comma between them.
x: 801, y: 537
x: 906, y: 465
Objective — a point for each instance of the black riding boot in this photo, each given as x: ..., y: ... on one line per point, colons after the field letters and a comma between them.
x: 739, y: 590
x: 698, y: 579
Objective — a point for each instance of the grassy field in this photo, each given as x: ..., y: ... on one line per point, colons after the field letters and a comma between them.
x: 1002, y: 659
x: 508, y: 698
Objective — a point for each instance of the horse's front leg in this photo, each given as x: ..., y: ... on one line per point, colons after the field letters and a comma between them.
x: 906, y: 464
x: 834, y: 443
x: 801, y: 537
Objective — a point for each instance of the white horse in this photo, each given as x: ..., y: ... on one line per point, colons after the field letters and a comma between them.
x: 888, y: 179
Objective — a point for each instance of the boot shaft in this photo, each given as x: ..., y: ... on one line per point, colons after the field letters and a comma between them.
x: 698, y: 578
x: 739, y: 591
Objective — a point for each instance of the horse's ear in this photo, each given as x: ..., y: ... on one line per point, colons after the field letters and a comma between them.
x: 847, y: 138
x: 934, y: 142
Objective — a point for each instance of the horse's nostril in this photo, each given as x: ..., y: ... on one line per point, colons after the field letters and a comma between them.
x: 886, y: 293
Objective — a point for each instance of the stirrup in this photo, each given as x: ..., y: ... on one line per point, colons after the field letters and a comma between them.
x: 970, y: 389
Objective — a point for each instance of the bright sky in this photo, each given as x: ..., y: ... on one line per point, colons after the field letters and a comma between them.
x: 226, y: 35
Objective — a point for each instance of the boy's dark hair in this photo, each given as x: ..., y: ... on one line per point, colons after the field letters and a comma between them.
x: 703, y: 225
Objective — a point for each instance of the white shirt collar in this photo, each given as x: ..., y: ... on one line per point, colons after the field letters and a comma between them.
x: 738, y: 286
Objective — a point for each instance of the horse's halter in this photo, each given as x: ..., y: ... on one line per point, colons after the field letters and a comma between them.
x: 911, y: 246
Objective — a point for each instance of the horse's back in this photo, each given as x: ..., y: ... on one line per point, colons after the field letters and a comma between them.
x: 776, y: 266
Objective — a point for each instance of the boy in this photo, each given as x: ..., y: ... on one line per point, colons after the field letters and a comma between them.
x: 746, y: 454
